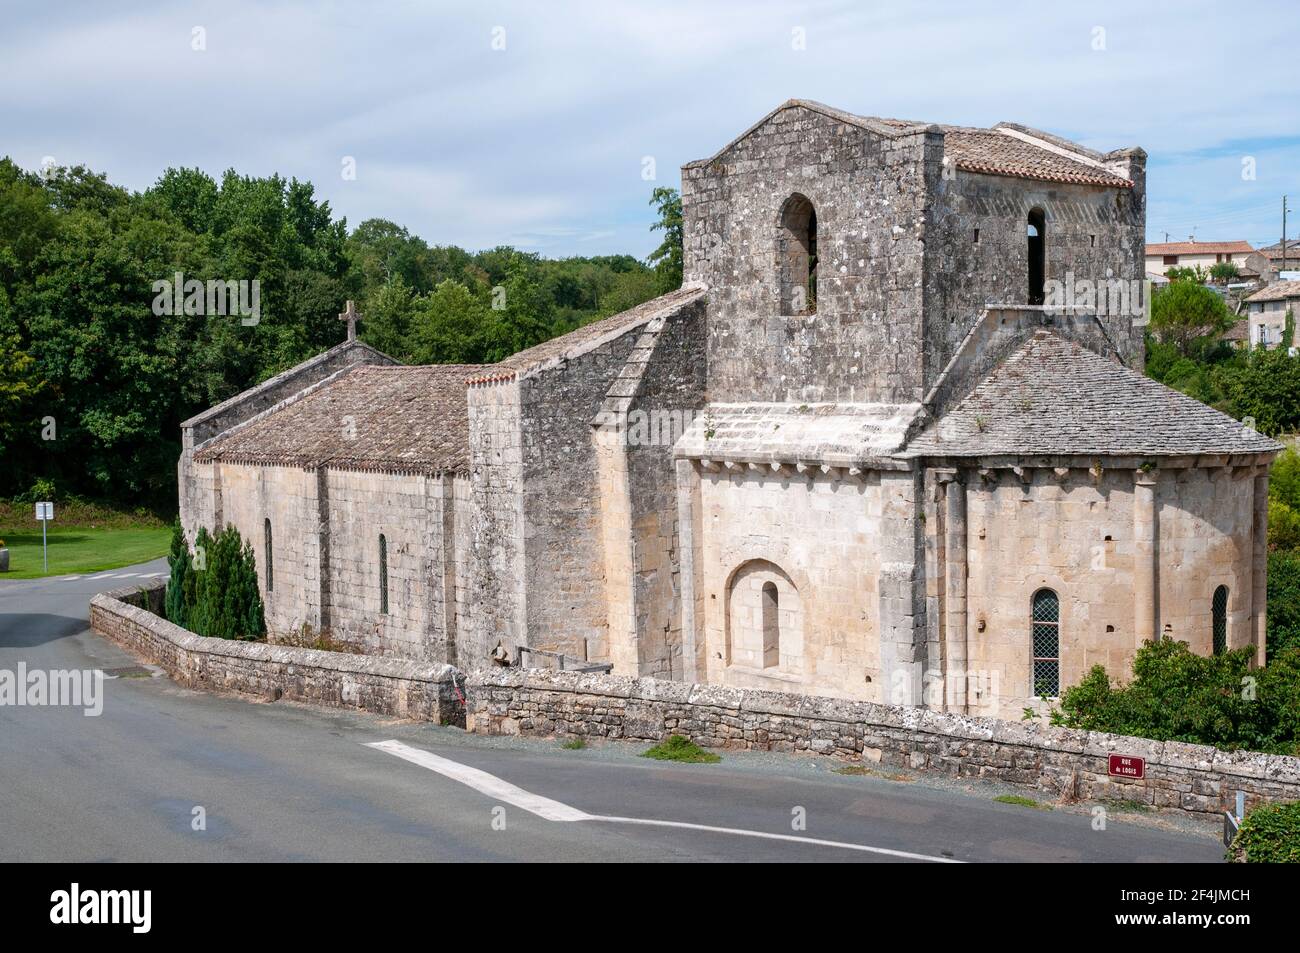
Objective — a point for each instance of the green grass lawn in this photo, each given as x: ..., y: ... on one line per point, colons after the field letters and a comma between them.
x: 82, y: 549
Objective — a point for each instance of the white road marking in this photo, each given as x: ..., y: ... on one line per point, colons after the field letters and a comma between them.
x: 544, y: 807
x: 483, y: 782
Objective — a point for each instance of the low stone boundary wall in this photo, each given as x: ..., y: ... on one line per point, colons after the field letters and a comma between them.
x: 417, y: 690
x: 1064, y: 762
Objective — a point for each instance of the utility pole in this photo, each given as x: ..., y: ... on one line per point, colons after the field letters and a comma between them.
x: 1283, y: 268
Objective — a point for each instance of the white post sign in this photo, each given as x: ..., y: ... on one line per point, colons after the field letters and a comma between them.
x: 45, y: 513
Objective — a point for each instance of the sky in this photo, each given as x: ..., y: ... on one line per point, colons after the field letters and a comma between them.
x: 545, y: 125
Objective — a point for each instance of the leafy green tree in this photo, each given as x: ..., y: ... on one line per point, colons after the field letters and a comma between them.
x: 1283, y: 602
x: 388, y: 315
x: 1185, y: 315
x: 450, y: 326
x: 668, y: 258
x: 1223, y: 272
x: 1266, y: 387
x: 1283, y: 526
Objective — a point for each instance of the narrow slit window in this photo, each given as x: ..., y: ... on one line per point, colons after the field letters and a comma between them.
x: 771, y: 625
x: 383, y: 574
x: 1037, y: 238
x: 797, y: 256
x: 1219, y: 620
x: 268, y: 556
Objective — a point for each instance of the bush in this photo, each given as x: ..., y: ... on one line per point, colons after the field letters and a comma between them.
x: 1283, y: 526
x: 1270, y: 834
x: 220, y: 590
x: 1283, y: 601
x: 680, y: 748
x: 178, y: 560
x: 1177, y: 695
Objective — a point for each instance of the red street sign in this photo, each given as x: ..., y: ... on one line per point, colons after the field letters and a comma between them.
x: 1127, y: 766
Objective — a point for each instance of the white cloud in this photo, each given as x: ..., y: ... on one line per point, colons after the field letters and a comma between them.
x: 543, y: 141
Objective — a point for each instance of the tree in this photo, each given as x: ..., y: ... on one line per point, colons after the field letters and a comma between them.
x: 389, y: 314
x: 226, y: 602
x: 1188, y: 316
x: 178, y: 560
x: 1266, y: 387
x: 449, y: 326
x: 1223, y: 272
x: 667, y: 258
x: 1283, y: 602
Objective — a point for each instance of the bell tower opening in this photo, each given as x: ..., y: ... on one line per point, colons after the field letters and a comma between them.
x: 1037, y: 235
x: 796, y: 250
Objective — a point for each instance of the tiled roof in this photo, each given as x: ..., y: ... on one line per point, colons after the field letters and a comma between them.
x: 1007, y: 149
x: 400, y: 419
x: 998, y: 152
x: 1240, y: 331
x: 1054, y: 397
x: 1277, y: 291
x: 588, y: 336
x: 1200, y: 248
x: 833, y: 434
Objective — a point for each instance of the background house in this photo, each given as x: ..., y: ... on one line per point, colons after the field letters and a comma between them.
x: 1267, y: 309
x: 1162, y: 256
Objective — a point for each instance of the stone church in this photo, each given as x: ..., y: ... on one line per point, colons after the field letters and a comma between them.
x: 869, y: 449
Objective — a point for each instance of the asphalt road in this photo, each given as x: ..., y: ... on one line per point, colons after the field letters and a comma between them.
x: 283, y: 782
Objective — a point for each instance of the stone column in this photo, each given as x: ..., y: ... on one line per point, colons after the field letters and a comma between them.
x: 1146, y: 534
x: 1259, y: 564
x: 902, y: 593
x: 688, y: 554
x: 955, y: 652
x: 323, y: 546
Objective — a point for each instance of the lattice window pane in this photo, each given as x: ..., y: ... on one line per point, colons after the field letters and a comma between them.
x: 1219, y: 615
x: 1047, y: 678
x: 1046, y: 639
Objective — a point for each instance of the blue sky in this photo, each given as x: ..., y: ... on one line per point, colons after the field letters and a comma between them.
x: 542, y: 144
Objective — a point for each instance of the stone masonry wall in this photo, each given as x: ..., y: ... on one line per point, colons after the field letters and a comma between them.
x: 496, y: 529
x: 1193, y: 778
x: 402, y: 689
x: 869, y: 192
x: 824, y: 537
x: 672, y: 390
x: 407, y: 511
x: 564, y: 555
x: 1092, y: 233
x: 286, y: 496
x: 1076, y: 537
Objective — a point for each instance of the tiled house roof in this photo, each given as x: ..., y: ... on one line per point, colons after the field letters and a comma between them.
x: 1054, y: 397
x: 1006, y: 149
x: 1277, y: 291
x: 997, y: 152
x: 398, y: 419
x: 1199, y: 248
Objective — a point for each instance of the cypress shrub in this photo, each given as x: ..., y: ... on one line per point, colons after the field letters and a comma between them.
x: 178, y: 561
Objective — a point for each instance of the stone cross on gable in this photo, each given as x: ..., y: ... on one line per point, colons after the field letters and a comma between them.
x: 351, y: 316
